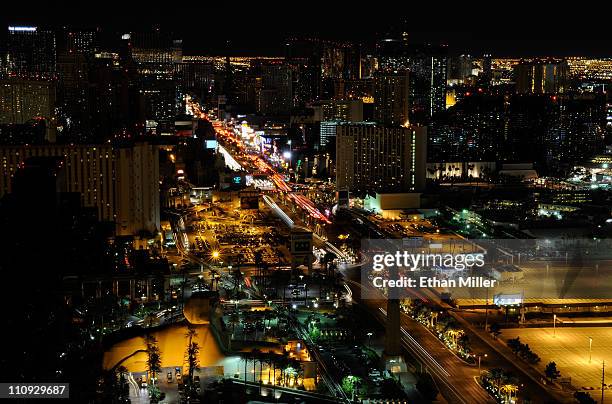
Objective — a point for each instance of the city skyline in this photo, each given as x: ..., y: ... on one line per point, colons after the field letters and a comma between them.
x: 318, y: 207
x: 268, y: 31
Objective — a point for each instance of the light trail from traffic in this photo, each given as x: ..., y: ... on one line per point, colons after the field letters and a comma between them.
x: 300, y: 200
x: 229, y: 160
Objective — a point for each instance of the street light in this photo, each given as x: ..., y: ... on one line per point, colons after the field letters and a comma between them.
x: 554, y: 325
x: 369, y: 334
x: 590, y: 347
x: 479, y: 357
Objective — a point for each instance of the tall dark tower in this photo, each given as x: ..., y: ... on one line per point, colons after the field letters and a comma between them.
x: 394, y: 362
x: 392, y: 330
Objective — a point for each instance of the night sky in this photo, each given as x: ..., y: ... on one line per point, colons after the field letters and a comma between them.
x: 205, y: 27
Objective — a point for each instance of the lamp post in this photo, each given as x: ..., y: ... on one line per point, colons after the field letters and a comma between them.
x: 369, y: 334
x: 554, y: 325
x: 479, y: 357
x: 590, y: 348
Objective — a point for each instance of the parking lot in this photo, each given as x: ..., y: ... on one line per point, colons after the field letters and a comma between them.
x: 568, y: 347
x: 238, y: 238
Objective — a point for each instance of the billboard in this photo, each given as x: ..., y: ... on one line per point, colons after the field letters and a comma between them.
x: 513, y: 299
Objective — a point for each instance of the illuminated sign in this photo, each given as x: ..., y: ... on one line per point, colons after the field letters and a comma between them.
x: 514, y: 299
x: 211, y: 144
x: 22, y: 29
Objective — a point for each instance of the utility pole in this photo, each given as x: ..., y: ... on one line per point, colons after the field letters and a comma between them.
x: 487, y: 311
x: 603, y: 377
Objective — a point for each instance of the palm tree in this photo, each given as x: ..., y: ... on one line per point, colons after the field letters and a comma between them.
x: 245, y: 356
x: 256, y: 354
x: 262, y: 357
x: 327, y: 258
x: 237, y: 277
x: 234, y: 320
x: 258, y: 261
x: 283, y: 362
x: 192, y: 351
x: 153, y: 356
x: 124, y: 389
x: 153, y: 365
x: 454, y: 334
x: 508, y: 390
x: 497, y: 375
x: 297, y: 366
x: 115, y: 384
x: 270, y: 361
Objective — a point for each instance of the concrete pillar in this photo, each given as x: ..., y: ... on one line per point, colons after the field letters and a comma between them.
x: 392, y: 329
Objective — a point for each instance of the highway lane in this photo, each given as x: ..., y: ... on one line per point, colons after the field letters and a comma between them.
x: 454, y: 377
x: 263, y: 166
x: 499, y: 355
x: 290, y: 223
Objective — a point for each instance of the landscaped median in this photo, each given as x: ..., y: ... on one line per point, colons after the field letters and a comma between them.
x: 501, y: 385
x: 443, y: 326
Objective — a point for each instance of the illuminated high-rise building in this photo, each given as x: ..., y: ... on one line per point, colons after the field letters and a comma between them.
x: 155, y: 54
x: 331, y: 113
x: 275, y: 93
x: 22, y: 101
x: 197, y: 76
x: 377, y: 158
x: 391, y: 98
x: 31, y: 52
x: 427, y: 67
x: 137, y: 188
x: 459, y: 69
x: 428, y: 71
x: 83, y: 42
x: 340, y: 110
x: 120, y: 182
x: 73, y: 94
x: 541, y: 77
